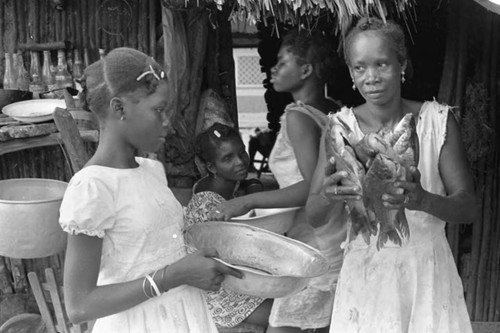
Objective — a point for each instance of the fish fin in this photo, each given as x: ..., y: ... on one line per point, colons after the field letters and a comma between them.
x: 402, y: 224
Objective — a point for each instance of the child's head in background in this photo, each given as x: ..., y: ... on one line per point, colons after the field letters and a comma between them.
x: 223, y: 151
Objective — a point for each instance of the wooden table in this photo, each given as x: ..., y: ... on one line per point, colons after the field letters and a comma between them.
x: 16, y: 136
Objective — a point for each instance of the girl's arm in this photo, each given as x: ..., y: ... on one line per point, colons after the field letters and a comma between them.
x: 86, y: 301
x: 304, y: 136
x: 459, y: 205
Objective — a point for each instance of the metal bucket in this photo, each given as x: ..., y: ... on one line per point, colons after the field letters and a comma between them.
x: 29, y: 217
x: 273, y: 265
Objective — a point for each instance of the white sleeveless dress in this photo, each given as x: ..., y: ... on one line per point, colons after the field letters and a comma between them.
x: 414, y: 288
x: 312, y: 307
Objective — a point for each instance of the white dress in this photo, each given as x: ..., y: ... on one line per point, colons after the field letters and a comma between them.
x: 140, y: 221
x: 414, y: 288
x: 312, y: 307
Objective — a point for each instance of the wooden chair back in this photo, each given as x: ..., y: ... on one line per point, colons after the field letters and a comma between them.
x: 70, y: 136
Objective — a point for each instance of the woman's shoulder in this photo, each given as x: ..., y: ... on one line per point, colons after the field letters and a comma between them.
x: 203, y: 185
x: 345, y: 113
x: 432, y: 111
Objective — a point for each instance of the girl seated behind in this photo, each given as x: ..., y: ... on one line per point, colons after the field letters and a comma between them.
x: 227, y: 161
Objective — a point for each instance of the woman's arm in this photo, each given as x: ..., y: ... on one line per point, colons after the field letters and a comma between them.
x: 459, y: 205
x: 86, y: 301
x: 304, y: 134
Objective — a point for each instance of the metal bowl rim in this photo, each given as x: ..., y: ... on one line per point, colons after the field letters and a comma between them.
x: 30, y: 202
x: 284, y: 210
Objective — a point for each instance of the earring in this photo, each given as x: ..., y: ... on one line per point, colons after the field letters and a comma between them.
x: 122, y: 118
x: 353, y: 86
x: 403, y: 77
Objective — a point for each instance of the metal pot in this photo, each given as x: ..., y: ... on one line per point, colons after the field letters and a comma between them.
x: 29, y: 217
x: 8, y: 96
x: 273, y: 265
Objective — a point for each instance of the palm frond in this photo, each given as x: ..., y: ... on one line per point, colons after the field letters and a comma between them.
x: 296, y: 12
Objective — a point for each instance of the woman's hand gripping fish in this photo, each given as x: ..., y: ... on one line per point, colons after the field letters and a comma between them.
x: 339, y: 149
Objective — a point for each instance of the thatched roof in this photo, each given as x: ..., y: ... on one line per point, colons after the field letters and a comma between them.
x: 306, y: 12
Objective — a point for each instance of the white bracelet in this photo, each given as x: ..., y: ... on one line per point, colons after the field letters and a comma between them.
x: 153, y: 285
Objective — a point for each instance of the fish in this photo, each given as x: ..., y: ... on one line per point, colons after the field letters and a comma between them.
x: 389, y: 166
x: 392, y: 223
x: 339, y: 150
x: 373, y: 164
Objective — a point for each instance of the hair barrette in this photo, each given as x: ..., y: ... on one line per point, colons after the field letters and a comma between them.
x: 152, y: 71
x: 217, y: 134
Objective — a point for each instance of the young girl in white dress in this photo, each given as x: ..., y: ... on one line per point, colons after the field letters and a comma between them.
x: 126, y: 263
x: 305, y: 63
x: 413, y: 287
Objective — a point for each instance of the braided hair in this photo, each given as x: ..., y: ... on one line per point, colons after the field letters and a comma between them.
x: 123, y: 71
x: 389, y: 30
x: 312, y: 47
x: 208, y: 142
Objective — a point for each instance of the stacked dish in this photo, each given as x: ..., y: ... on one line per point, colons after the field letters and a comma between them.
x: 33, y: 111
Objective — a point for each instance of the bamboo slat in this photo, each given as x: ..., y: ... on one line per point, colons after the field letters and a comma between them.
x: 33, y: 22
x: 51, y: 23
x: 10, y: 20
x: 485, y: 243
x: 495, y: 262
x: 477, y: 229
x: 143, y: 28
x: 152, y: 27
x: 497, y: 222
x: 2, y: 30
x: 134, y: 25
x: 21, y: 22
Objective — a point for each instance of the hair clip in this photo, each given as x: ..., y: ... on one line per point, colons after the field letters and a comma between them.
x: 152, y: 71
x: 217, y: 134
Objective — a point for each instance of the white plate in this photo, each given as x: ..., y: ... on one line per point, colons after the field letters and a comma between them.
x: 34, y: 110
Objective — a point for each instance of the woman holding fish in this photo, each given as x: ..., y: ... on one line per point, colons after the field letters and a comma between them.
x: 396, y: 170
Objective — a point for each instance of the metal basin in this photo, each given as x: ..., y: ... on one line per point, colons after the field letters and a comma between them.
x: 278, y: 220
x: 29, y: 217
x: 273, y: 265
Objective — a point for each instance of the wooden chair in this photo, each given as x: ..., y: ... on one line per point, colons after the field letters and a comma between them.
x: 74, y: 145
x: 52, y: 307
x: 264, y: 165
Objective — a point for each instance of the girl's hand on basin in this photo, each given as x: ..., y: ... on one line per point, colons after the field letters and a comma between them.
x: 199, y: 270
x: 229, y: 209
